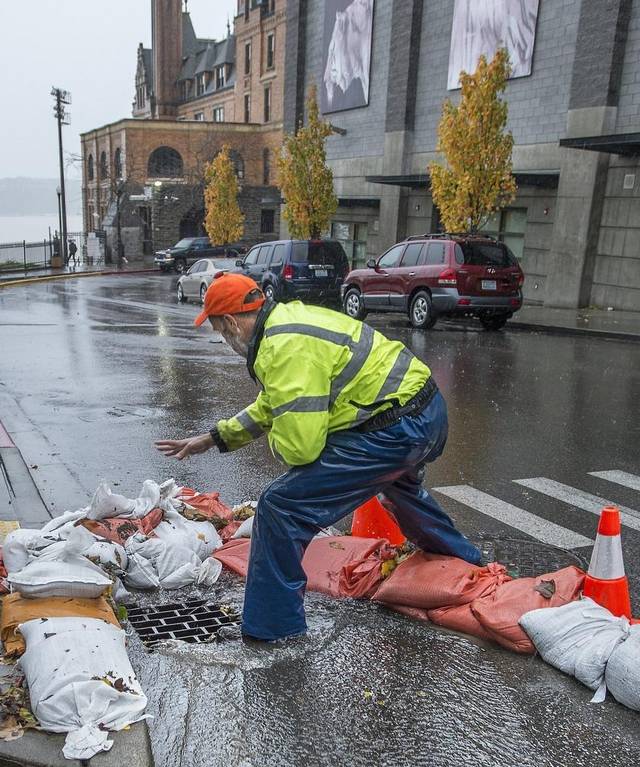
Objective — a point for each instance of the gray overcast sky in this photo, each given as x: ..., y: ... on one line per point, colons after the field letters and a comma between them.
x: 87, y: 47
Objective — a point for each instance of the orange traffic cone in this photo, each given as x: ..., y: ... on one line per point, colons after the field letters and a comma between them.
x: 606, y: 582
x: 372, y: 520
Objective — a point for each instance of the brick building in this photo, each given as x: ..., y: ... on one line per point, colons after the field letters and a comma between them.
x: 143, y: 177
x: 574, y: 111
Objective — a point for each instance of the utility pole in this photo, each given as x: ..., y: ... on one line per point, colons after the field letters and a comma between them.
x: 62, y: 98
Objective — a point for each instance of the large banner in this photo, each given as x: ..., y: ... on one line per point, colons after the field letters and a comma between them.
x: 348, y: 30
x: 483, y: 26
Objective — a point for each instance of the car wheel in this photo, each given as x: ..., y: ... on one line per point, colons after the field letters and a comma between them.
x: 269, y: 292
x: 353, y: 304
x: 494, y: 322
x: 181, y: 296
x: 180, y: 266
x: 203, y: 291
x: 421, y: 311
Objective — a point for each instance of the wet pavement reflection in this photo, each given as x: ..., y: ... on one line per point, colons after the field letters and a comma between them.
x: 102, y: 367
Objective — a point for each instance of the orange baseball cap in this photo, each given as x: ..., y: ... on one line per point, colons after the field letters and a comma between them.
x: 226, y: 295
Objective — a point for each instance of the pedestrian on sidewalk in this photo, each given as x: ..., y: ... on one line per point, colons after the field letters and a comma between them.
x: 73, y: 249
x: 350, y: 412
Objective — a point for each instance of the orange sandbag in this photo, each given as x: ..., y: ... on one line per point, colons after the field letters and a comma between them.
x: 416, y: 613
x: 17, y: 610
x: 435, y: 580
x: 119, y: 530
x: 229, y: 529
x: 459, y: 618
x: 499, y: 614
x: 208, y: 505
x: 235, y: 555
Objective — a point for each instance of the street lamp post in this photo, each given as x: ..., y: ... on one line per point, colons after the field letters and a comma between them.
x: 59, y: 193
x: 62, y: 98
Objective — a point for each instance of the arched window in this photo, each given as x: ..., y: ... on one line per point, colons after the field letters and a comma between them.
x: 117, y: 163
x: 104, y: 168
x: 266, y: 166
x: 238, y: 163
x: 164, y: 162
x: 90, y: 167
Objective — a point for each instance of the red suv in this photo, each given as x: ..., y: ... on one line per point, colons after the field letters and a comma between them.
x: 439, y: 275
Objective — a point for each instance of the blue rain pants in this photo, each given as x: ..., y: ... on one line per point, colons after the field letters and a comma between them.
x: 352, y: 468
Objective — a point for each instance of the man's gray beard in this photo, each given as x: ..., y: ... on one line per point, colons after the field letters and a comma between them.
x: 238, y: 346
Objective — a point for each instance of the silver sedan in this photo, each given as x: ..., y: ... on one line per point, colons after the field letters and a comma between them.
x: 194, y: 283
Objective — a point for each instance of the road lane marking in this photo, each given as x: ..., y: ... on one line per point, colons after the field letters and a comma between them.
x: 623, y: 478
x: 537, y: 527
x: 580, y: 499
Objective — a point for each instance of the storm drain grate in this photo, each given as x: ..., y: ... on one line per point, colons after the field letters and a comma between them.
x: 524, y: 558
x: 196, y: 621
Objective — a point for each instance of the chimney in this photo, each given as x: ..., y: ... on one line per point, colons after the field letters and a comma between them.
x: 166, y: 25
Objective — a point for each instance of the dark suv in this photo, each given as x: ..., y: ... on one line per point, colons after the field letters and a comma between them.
x: 439, y: 275
x: 189, y: 250
x: 311, y: 270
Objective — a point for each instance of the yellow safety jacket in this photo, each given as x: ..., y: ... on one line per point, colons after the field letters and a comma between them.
x: 320, y: 372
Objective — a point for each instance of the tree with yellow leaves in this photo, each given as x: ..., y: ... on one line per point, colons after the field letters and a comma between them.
x: 477, y: 180
x: 224, y: 221
x: 305, y: 180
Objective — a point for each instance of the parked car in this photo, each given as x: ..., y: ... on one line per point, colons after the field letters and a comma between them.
x: 194, y: 283
x: 439, y: 275
x: 311, y: 270
x: 188, y: 250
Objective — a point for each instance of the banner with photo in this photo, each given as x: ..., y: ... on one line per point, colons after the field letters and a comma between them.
x: 348, y: 32
x: 484, y: 26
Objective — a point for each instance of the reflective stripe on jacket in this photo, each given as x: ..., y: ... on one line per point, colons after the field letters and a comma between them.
x: 320, y: 372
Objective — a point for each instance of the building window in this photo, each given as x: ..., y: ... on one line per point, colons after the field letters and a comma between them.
x: 247, y: 58
x: 271, y: 50
x: 247, y: 108
x: 104, y: 168
x: 90, y: 167
x: 238, y: 163
x: 266, y: 166
x: 199, y: 116
x: 218, y: 114
x: 164, y: 162
x: 220, y: 76
x: 201, y: 84
x: 509, y: 226
x: 117, y: 163
x: 267, y: 221
x: 246, y: 10
x: 267, y: 105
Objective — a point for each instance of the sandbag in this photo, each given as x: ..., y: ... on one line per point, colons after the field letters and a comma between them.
x: 105, y: 503
x: 500, y: 613
x: 80, y: 681
x: 17, y: 610
x: 244, y: 529
x: 235, y: 555
x: 622, y: 673
x: 435, y: 580
x: 108, y: 555
x: 459, y: 618
x: 200, y: 537
x: 578, y: 639
x: 21, y: 546
x: 203, y: 506
x: 120, y: 530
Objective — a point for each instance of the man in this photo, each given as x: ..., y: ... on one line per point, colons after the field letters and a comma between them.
x: 350, y: 412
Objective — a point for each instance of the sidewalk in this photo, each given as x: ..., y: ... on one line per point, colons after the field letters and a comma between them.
x: 84, y: 269
x: 587, y: 321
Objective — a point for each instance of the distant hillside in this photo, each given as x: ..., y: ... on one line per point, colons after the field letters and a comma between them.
x: 37, y: 196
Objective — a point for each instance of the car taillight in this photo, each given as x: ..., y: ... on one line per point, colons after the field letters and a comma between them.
x: 520, y: 280
x: 287, y: 272
x: 217, y: 274
x: 448, y: 277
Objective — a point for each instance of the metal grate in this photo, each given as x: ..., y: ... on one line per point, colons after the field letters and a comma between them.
x: 525, y: 558
x: 195, y: 621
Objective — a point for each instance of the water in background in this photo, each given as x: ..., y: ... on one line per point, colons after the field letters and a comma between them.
x: 34, y: 228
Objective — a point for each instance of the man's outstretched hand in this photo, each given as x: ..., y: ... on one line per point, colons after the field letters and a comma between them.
x: 183, y: 448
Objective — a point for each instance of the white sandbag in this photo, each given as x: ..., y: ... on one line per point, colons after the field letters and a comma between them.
x: 105, y: 503
x: 577, y: 638
x: 20, y: 546
x: 108, y: 554
x: 245, y: 529
x: 80, y: 681
x: 141, y: 570
x: 200, y: 537
x: 208, y: 572
x: 61, y: 526
x: 623, y: 671
x: 62, y: 571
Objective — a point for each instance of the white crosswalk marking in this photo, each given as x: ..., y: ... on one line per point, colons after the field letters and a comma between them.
x: 579, y: 499
x: 537, y: 527
x: 619, y: 477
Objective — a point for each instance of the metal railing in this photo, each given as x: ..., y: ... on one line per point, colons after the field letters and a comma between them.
x: 26, y: 256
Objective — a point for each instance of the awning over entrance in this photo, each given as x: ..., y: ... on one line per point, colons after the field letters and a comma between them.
x: 547, y: 179
x: 618, y: 143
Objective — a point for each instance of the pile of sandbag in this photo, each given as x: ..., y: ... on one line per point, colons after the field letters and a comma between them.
x: 587, y: 642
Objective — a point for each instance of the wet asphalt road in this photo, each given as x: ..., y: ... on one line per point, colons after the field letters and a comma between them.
x: 102, y: 367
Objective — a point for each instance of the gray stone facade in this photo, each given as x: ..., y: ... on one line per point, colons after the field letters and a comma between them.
x: 582, y: 239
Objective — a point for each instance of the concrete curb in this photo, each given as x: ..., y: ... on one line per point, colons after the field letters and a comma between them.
x: 74, y: 275
x: 562, y: 330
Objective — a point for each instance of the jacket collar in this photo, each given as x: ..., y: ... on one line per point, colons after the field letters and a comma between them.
x: 256, y: 337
